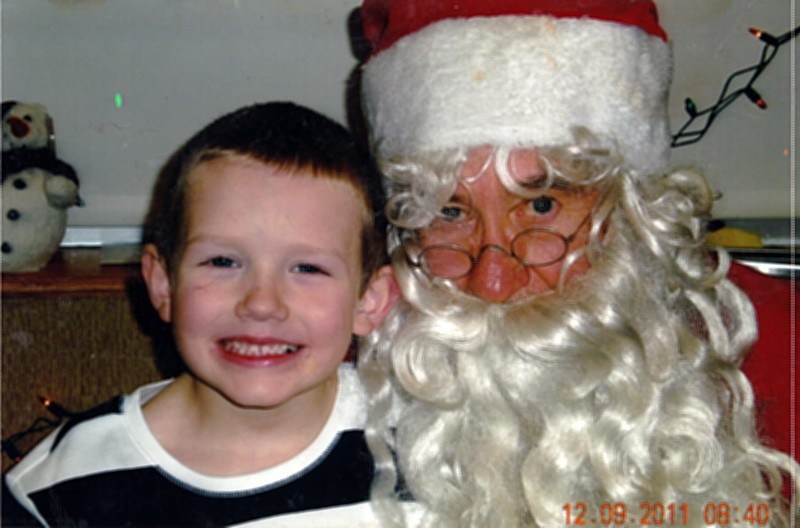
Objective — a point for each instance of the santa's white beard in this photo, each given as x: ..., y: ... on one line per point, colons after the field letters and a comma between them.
x: 478, y: 404
x: 605, y: 392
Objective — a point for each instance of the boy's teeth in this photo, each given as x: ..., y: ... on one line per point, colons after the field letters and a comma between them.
x: 249, y: 349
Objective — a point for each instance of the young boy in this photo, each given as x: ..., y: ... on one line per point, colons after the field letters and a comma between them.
x: 266, y: 258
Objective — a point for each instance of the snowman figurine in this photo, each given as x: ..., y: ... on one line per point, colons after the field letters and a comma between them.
x: 37, y: 189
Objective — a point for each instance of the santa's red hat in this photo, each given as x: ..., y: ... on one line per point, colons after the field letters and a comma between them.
x: 518, y: 73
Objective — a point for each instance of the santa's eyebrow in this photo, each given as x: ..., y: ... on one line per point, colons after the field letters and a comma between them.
x: 456, y: 199
x: 460, y: 196
x: 541, y: 181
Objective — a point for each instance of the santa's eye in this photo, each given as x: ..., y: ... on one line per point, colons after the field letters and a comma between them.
x: 542, y: 204
x: 454, y: 212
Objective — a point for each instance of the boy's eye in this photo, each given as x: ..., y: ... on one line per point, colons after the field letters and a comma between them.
x: 221, y: 262
x: 308, y: 268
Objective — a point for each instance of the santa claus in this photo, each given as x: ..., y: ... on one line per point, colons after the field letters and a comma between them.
x: 568, y: 350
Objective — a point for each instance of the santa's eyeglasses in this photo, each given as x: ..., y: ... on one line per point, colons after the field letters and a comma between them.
x: 535, y: 247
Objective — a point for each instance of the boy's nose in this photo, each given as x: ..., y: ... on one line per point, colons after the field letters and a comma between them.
x: 262, y: 300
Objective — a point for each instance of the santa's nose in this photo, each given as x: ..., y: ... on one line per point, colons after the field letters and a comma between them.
x: 497, y: 276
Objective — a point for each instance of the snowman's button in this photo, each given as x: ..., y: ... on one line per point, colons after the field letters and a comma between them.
x: 13, y: 214
x: 7, y: 247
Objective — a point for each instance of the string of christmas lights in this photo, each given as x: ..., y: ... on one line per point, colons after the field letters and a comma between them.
x: 685, y: 136
x: 9, y: 445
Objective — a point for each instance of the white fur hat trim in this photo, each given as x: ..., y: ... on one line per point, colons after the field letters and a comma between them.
x: 521, y: 81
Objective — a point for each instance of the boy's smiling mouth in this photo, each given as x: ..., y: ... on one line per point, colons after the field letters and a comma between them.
x: 243, y: 348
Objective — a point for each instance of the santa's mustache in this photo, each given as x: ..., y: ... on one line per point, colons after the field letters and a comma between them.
x: 441, y: 322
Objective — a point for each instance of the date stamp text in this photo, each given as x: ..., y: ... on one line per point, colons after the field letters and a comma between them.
x: 664, y: 514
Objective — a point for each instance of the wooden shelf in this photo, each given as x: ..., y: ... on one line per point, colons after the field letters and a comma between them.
x: 72, y: 272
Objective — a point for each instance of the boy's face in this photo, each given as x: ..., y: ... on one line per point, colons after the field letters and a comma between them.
x: 266, y: 292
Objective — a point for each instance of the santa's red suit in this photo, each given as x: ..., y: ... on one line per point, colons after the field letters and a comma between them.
x: 770, y: 366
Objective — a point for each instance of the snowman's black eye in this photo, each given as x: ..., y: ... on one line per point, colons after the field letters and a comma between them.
x: 20, y: 184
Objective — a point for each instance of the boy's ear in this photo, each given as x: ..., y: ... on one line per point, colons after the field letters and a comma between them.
x: 379, y: 297
x: 154, y: 272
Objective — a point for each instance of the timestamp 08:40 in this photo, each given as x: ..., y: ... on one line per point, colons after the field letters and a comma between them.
x: 661, y: 514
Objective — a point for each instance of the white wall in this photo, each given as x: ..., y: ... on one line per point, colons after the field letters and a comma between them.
x: 746, y: 153
x: 177, y: 64
x: 180, y: 63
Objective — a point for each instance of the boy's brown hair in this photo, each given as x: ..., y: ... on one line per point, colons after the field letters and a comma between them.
x: 283, y: 135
